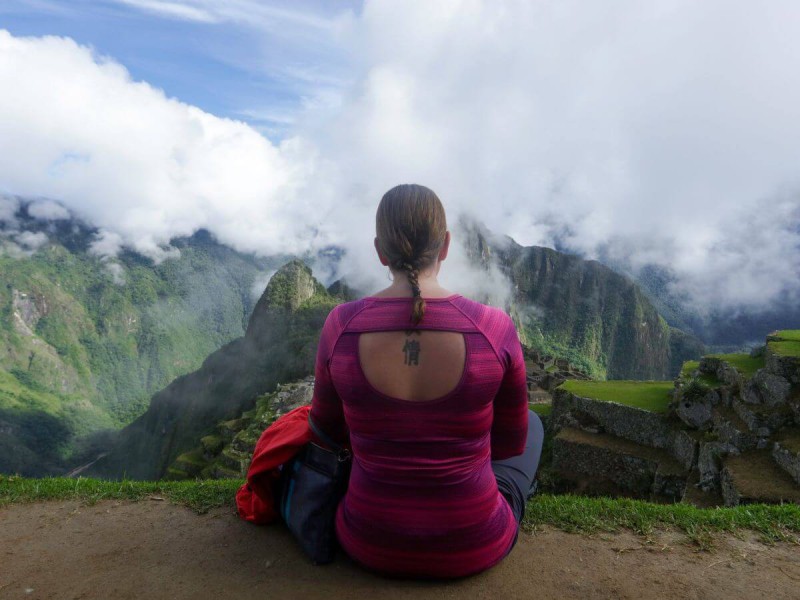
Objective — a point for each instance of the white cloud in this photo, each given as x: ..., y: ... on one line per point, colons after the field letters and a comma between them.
x: 8, y: 209
x: 116, y: 271
x: 176, y: 10
x: 139, y: 165
x: 30, y: 240
x: 48, y: 210
x: 260, y: 284
x: 663, y: 133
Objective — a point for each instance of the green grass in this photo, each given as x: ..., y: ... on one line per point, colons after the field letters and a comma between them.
x: 581, y: 514
x: 785, y: 347
x: 744, y: 363
x: 692, y: 365
x: 688, y: 367
x: 200, y: 495
x: 654, y: 396
x: 789, y: 335
x: 576, y: 514
x: 542, y: 410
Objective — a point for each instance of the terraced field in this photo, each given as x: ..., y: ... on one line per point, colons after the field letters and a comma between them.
x: 648, y: 395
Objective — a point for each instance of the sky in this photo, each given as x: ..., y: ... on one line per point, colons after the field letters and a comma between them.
x: 641, y: 133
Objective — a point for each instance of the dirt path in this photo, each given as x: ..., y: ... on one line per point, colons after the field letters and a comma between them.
x: 154, y: 549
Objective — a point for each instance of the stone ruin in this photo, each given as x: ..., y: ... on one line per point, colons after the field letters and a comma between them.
x: 729, y: 437
x: 545, y: 373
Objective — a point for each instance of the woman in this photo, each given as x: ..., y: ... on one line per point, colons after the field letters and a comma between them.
x: 430, y: 388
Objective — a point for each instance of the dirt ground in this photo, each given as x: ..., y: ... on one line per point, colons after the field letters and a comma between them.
x: 154, y: 549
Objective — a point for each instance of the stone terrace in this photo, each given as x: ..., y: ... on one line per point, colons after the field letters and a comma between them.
x: 727, y: 430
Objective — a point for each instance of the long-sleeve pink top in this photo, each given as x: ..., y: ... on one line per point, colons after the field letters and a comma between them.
x: 422, y: 498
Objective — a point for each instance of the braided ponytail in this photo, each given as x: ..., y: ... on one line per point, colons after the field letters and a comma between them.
x: 418, y: 311
x: 411, y: 229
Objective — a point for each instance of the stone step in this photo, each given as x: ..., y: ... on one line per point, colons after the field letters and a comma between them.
x: 637, y: 425
x: 245, y: 441
x: 753, y: 477
x: 698, y: 497
x: 191, y: 462
x: 731, y: 429
x: 761, y: 419
x: 780, y: 360
x: 234, y: 460
x: 786, y: 451
x: 606, y: 464
x: 218, y: 471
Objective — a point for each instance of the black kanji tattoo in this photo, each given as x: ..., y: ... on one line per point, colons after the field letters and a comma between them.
x: 411, y: 350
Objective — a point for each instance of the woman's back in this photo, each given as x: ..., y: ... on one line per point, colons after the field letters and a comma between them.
x: 422, y: 498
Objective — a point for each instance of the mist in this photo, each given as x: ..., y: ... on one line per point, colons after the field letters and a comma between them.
x: 646, y: 134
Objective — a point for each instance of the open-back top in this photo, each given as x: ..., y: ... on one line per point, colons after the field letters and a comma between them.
x: 422, y: 498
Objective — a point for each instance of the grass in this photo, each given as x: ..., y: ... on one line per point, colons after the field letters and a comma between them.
x: 786, y: 347
x: 542, y: 410
x: 580, y: 514
x: 789, y: 335
x: 744, y: 363
x: 654, y: 396
x: 199, y: 495
x: 690, y: 366
x: 576, y: 514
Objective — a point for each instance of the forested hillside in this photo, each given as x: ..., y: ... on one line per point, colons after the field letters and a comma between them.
x: 85, y: 341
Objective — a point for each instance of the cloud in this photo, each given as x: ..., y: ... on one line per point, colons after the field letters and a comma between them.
x: 8, y: 209
x: 141, y: 166
x: 654, y: 133
x: 116, y: 271
x: 47, y: 210
x: 31, y: 241
x: 175, y: 10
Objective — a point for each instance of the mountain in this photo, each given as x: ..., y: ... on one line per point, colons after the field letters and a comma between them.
x: 85, y: 341
x: 582, y: 311
x: 722, y: 329
x: 91, y: 344
x: 279, y: 345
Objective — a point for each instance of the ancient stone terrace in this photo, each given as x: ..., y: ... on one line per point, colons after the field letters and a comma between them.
x: 727, y: 430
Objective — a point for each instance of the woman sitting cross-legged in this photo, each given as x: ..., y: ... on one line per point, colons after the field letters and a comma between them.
x: 430, y: 389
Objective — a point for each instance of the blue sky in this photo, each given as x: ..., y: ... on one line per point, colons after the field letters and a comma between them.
x: 250, y: 60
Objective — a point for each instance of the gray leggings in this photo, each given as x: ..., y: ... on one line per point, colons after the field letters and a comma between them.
x: 515, y: 475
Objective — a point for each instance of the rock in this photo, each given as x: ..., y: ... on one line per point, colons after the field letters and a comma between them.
x: 709, y: 463
x: 697, y: 412
x: 766, y: 388
x: 784, y: 366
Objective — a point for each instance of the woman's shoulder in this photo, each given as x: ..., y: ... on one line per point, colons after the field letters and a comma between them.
x: 485, y: 316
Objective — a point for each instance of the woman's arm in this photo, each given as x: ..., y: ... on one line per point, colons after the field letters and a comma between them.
x: 510, y: 422
x: 326, y: 406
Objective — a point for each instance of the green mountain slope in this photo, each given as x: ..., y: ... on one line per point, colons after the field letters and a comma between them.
x: 279, y: 345
x: 583, y: 311
x: 81, y: 352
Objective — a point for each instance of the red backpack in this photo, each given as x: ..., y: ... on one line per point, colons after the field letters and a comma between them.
x: 279, y: 443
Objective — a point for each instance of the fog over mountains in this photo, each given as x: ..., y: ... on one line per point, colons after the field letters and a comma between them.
x: 648, y: 137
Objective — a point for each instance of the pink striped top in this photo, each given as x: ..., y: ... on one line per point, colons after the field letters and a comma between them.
x: 422, y: 499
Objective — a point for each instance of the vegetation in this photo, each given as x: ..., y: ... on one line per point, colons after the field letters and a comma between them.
x: 654, y: 396
x: 542, y: 410
x: 744, y: 363
x: 695, y: 390
x: 570, y: 513
x: 200, y: 495
x: 690, y: 366
x: 590, y: 515
x: 85, y: 351
x: 789, y: 335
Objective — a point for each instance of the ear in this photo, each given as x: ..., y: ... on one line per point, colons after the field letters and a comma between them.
x: 445, y: 246
x: 383, y: 260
